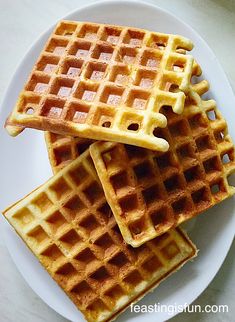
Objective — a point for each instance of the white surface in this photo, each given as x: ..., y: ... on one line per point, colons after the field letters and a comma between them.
x: 190, y: 14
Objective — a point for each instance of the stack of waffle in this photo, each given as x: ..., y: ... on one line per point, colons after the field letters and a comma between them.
x: 105, y: 226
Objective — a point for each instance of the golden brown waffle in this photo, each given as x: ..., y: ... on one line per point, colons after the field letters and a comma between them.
x: 151, y: 192
x: 64, y: 149
x: 105, y: 82
x: 69, y: 226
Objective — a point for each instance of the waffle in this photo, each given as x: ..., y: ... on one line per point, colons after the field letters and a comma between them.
x: 64, y: 149
x: 105, y: 82
x: 69, y: 226
x: 151, y: 192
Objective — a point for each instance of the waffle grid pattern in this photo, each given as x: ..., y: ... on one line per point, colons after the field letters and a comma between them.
x: 105, y: 81
x: 64, y: 149
x: 70, y: 228
x: 151, y: 192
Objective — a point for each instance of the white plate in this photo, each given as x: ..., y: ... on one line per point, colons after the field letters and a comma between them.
x: 24, y: 165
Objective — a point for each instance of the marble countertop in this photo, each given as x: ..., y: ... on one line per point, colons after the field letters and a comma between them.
x: 21, y: 21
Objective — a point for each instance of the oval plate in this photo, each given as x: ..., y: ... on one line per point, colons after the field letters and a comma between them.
x: 24, y: 165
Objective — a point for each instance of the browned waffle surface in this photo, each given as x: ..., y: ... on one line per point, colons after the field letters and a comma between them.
x: 105, y: 82
x: 69, y: 226
x: 64, y: 149
x: 151, y: 192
